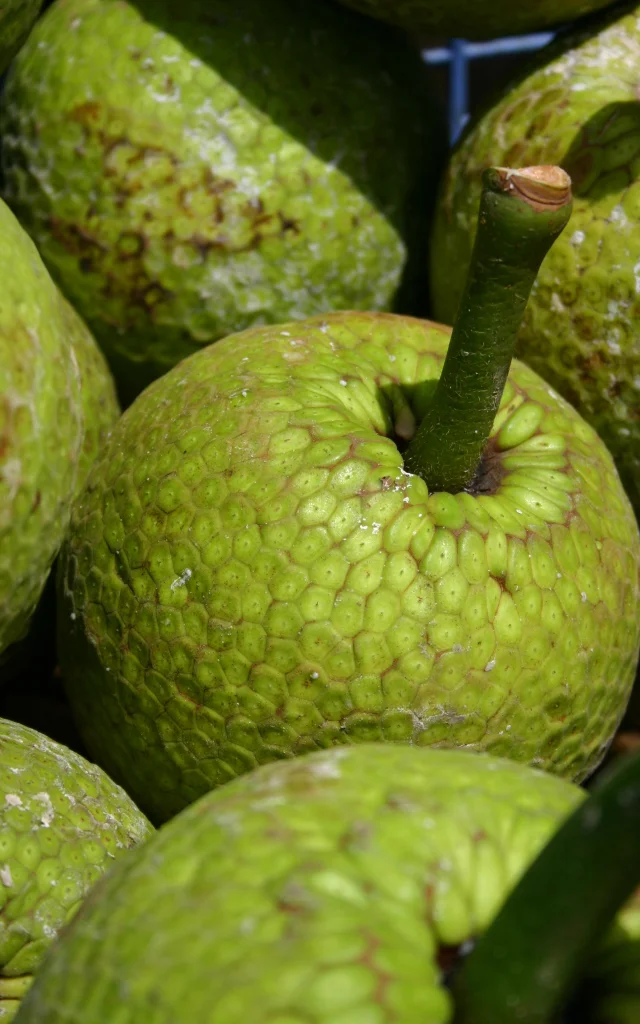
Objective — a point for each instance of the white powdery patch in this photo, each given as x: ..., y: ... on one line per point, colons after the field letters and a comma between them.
x: 182, y: 579
x: 48, y: 814
x: 618, y: 216
x: 12, y: 474
x: 326, y: 770
x: 6, y: 877
x: 578, y: 237
x: 12, y: 800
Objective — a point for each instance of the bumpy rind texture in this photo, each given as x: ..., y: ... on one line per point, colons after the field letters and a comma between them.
x: 57, y: 402
x: 16, y: 18
x: 326, y: 889
x: 471, y: 19
x: 579, y: 109
x: 251, y: 574
x: 189, y: 170
x: 62, y: 824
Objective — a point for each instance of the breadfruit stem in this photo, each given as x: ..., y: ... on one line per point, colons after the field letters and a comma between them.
x: 522, y: 212
x: 528, y: 962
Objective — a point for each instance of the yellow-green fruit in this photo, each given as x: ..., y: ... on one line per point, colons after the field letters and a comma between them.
x: 62, y: 824
x: 471, y: 19
x: 16, y: 18
x: 191, y: 169
x: 578, y: 108
x: 252, y: 574
x: 333, y: 889
x: 57, y: 403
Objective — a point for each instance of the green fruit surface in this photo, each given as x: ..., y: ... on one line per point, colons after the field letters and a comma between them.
x: 62, y: 823
x: 206, y: 166
x: 581, y: 331
x: 331, y: 889
x: 16, y: 18
x: 57, y: 403
x: 471, y: 19
x: 251, y: 574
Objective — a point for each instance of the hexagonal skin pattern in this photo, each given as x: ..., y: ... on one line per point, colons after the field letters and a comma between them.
x: 190, y: 170
x: 62, y: 824
x: 57, y: 402
x: 469, y: 19
x: 577, y: 108
x: 331, y: 889
x: 251, y: 574
x: 16, y: 18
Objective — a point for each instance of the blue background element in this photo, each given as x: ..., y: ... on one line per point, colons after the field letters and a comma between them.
x: 458, y: 55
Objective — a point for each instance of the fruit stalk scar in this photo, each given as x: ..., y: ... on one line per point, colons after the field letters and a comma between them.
x: 526, y: 965
x: 522, y: 212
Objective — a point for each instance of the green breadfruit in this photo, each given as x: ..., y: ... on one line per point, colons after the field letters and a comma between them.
x: 471, y: 19
x: 62, y: 822
x: 206, y: 166
x: 338, y: 888
x: 16, y: 19
x: 251, y: 573
x: 578, y: 108
x: 57, y: 403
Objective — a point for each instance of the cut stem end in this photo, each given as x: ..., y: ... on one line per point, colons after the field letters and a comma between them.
x: 522, y: 212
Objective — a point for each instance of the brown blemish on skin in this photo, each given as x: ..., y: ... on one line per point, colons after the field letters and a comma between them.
x: 490, y: 472
x: 448, y: 958
x: 74, y: 238
x: 383, y: 978
x: 120, y: 157
x: 85, y: 113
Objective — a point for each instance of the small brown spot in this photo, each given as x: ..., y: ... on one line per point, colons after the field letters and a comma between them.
x: 447, y: 958
x: 288, y: 224
x: 75, y: 238
x: 85, y: 113
x: 217, y: 185
x: 490, y: 472
x: 386, y: 483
